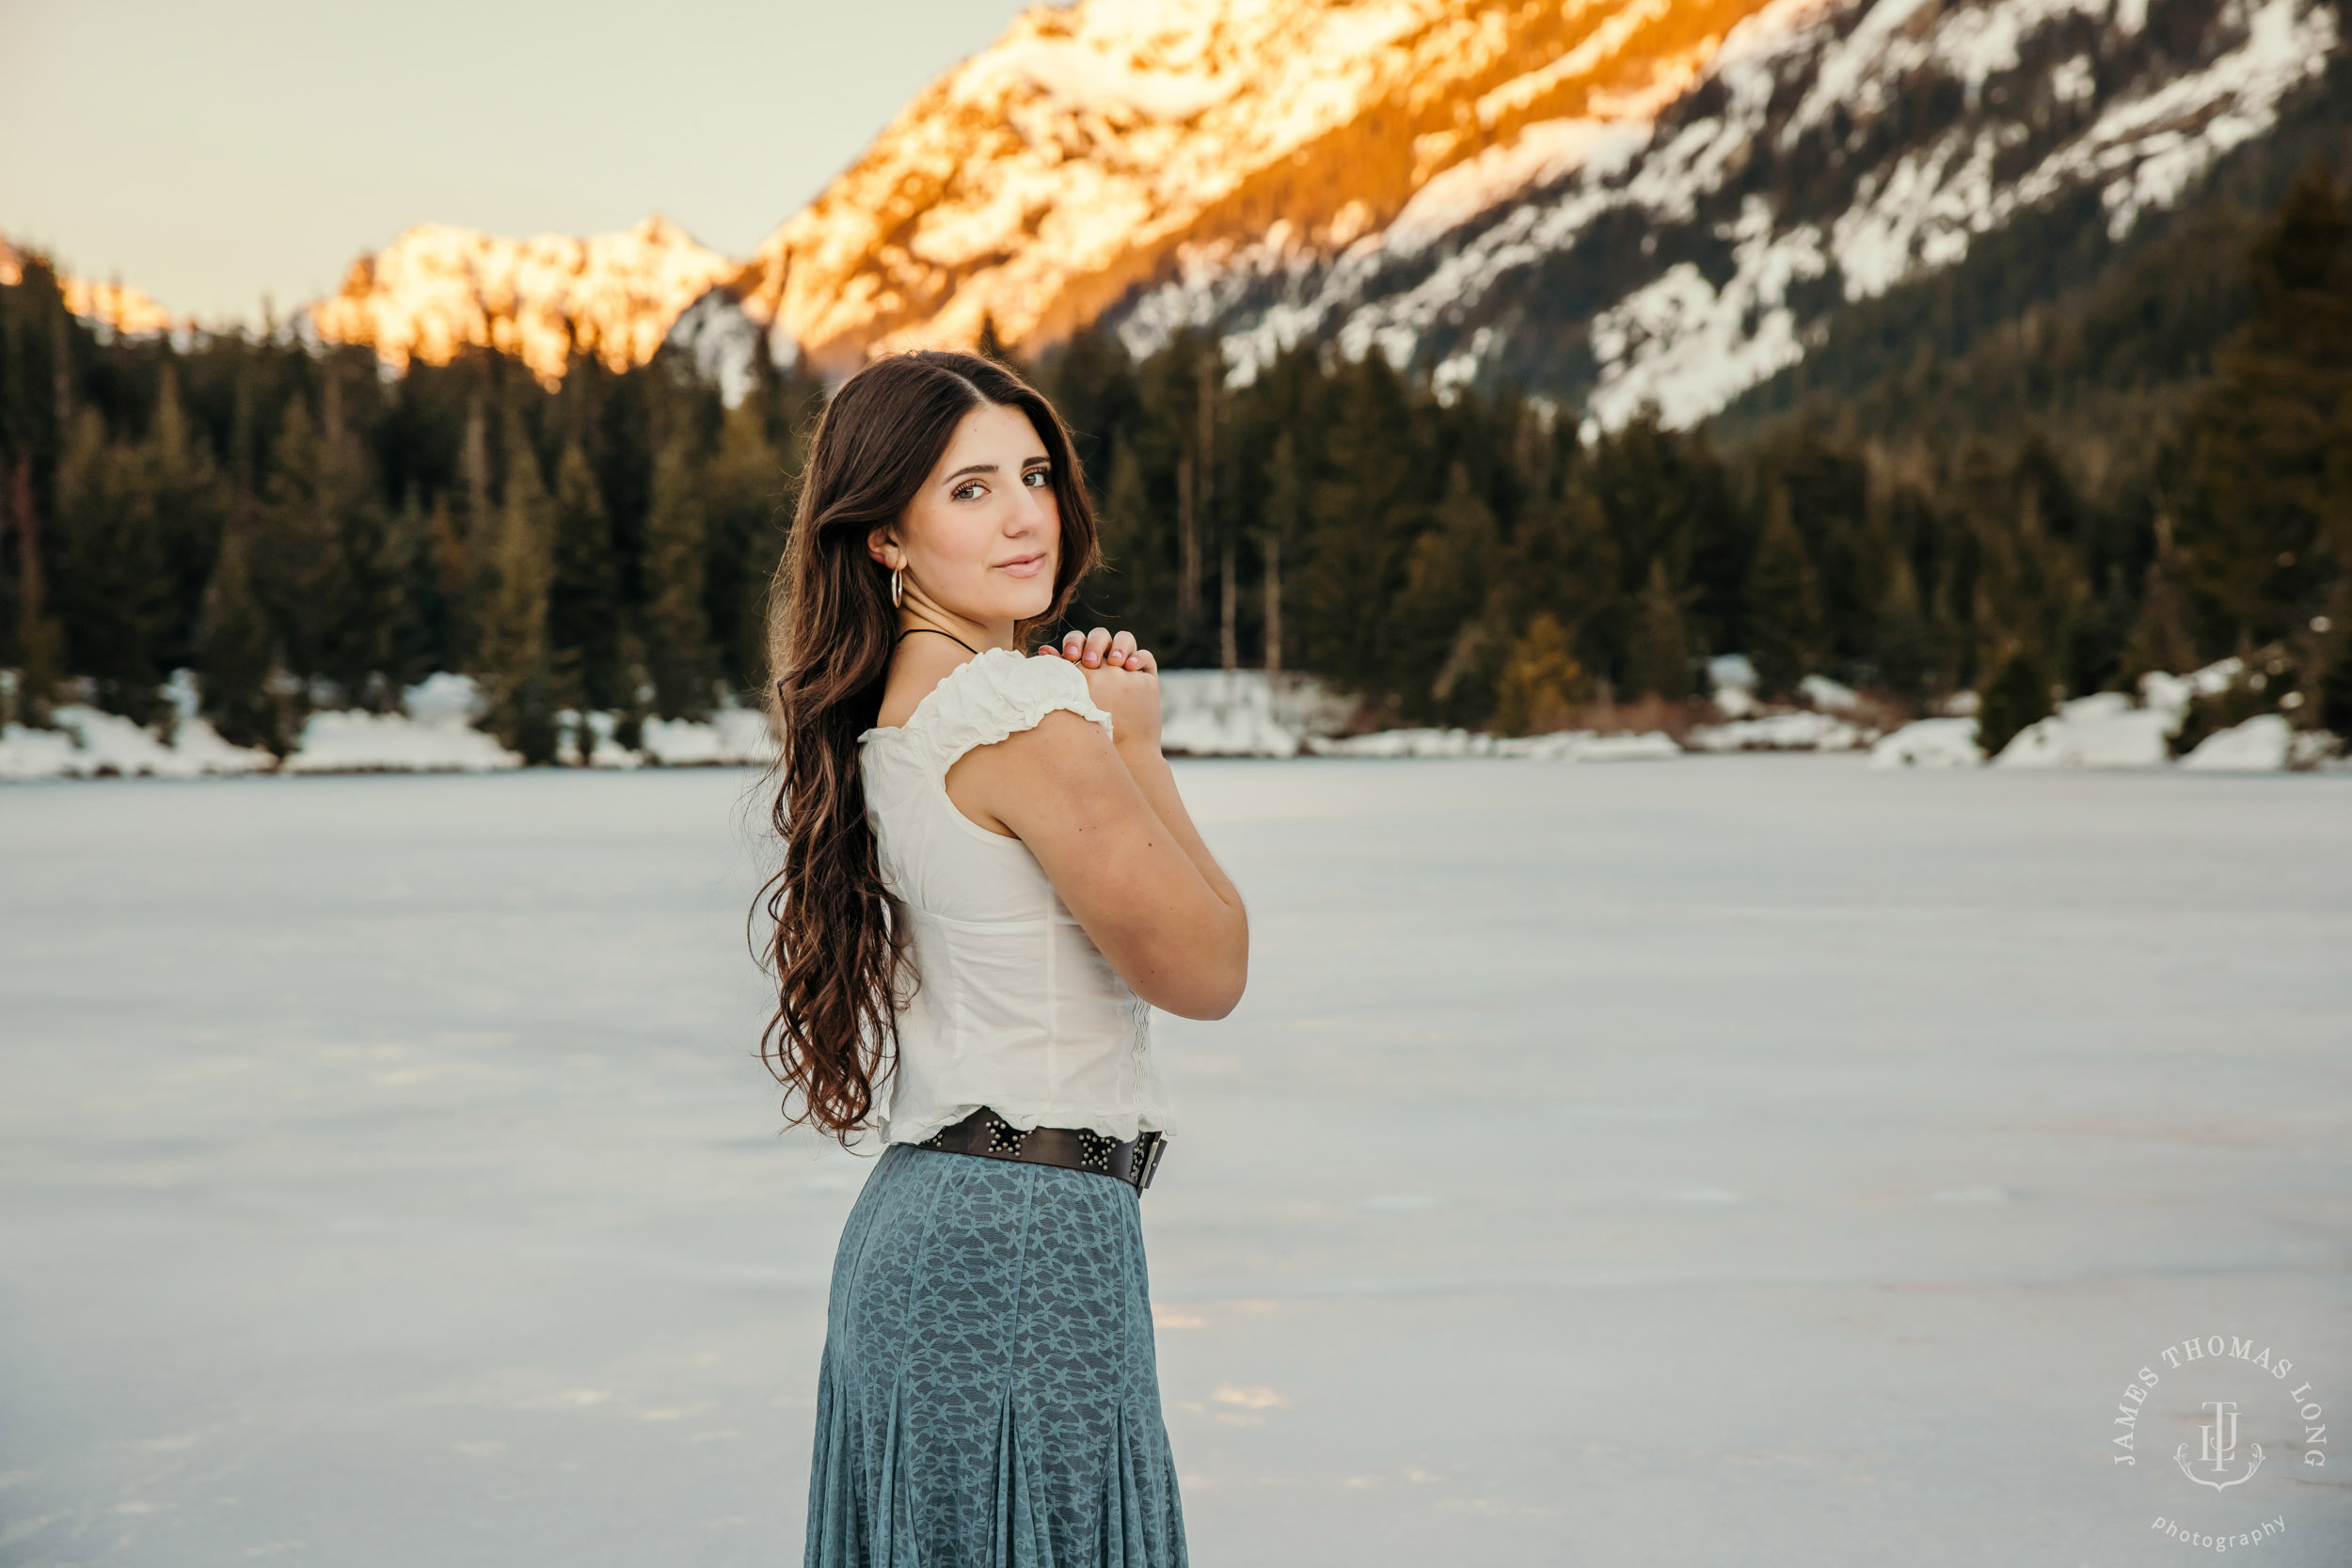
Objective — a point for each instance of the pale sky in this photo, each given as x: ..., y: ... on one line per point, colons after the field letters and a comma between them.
x: 211, y: 155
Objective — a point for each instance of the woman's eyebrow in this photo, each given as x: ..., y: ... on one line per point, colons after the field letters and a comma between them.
x: 991, y: 467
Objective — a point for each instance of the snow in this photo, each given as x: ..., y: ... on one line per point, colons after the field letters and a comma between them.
x: 603, y: 751
x: 89, y: 743
x: 1765, y: 1161
x: 1780, y: 731
x: 111, y: 306
x: 1205, y: 713
x: 1540, y: 154
x: 2145, y: 150
x: 726, y: 344
x: 1689, y: 347
x: 1692, y: 340
x: 1646, y: 747
x: 2261, y: 744
x: 2102, y: 730
x: 1213, y: 713
x: 2173, y: 693
x: 2107, y: 729
x: 439, y: 288
x: 1929, y: 743
x: 443, y: 698
x: 1828, y: 695
x: 731, y: 737
x: 1563, y: 745
x: 1733, y: 681
x: 1085, y: 74
x: 434, y: 732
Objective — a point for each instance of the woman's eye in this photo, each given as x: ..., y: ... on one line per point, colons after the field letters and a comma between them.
x: 972, y: 484
x: 1041, y: 477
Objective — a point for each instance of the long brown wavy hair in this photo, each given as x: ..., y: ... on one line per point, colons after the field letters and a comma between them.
x: 838, y: 964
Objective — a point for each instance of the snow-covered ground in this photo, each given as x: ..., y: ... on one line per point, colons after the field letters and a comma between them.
x: 432, y: 732
x: 1204, y: 713
x: 1764, y: 1162
x: 2111, y: 729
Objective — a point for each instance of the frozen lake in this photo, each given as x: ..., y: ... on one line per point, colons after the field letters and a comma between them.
x: 1742, y: 1161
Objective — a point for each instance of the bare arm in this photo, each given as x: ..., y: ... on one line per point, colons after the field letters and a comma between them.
x: 1157, y: 780
x: 1107, y: 825
x: 1112, y: 664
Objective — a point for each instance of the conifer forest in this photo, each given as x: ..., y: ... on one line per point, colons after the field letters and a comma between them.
x: 2149, y: 471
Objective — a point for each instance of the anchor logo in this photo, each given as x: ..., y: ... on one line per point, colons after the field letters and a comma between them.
x: 2218, y: 1447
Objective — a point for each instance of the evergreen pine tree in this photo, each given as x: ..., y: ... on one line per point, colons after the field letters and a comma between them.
x: 2262, y: 538
x: 1906, y: 657
x: 1135, y: 590
x: 1565, y: 562
x: 584, y: 608
x: 39, y: 649
x: 1782, y: 608
x: 2159, y: 637
x: 677, y: 633
x: 113, y: 589
x: 399, y: 644
x: 1278, y: 525
x: 745, y: 483
x: 467, y: 535
x: 1438, y: 645
x: 2016, y: 697
x: 301, y: 567
x: 514, y: 659
x: 191, y: 505
x: 2335, y: 689
x: 233, y: 648
x: 1658, y: 655
x: 1362, y: 516
x: 637, y: 691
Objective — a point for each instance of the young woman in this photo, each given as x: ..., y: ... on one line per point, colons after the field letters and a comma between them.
x: 989, y: 881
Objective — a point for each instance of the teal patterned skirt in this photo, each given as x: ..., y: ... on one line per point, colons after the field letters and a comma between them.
x: 989, y: 1396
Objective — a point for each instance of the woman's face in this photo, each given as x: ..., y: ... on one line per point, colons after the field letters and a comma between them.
x: 982, y: 539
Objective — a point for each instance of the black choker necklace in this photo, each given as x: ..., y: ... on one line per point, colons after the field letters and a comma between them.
x: 949, y: 635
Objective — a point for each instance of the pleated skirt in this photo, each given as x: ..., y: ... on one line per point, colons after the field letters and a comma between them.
x: 989, y: 1394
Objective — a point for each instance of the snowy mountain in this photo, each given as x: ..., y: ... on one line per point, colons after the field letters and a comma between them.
x: 1100, y: 147
x: 1606, y: 200
x: 1828, y: 151
x: 438, y: 288
x: 1615, y: 200
x: 124, y: 309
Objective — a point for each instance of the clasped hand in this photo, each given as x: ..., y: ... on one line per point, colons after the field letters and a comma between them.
x: 1123, y: 680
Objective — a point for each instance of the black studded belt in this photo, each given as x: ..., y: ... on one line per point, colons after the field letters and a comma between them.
x: 984, y: 1133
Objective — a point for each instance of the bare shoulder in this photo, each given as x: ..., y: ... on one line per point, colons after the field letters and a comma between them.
x: 1056, y: 776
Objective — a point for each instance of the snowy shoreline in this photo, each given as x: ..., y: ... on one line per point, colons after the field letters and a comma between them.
x: 1205, y: 713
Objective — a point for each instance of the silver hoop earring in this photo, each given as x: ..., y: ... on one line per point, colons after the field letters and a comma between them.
x: 894, y: 588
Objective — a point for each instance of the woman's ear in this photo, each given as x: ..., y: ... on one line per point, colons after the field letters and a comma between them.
x: 880, y: 544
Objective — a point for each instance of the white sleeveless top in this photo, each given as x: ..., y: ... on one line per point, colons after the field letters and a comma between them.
x: 1014, y: 1007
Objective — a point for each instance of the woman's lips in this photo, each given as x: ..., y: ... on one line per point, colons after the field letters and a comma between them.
x: 1028, y: 566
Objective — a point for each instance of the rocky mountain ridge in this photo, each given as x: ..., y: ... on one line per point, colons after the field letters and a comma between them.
x: 1609, y: 201
x: 1833, y: 149
x: 439, y: 288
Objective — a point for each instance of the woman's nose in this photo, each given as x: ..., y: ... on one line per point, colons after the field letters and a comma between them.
x: 1033, y: 512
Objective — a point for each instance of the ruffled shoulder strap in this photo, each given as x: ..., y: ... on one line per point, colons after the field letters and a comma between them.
x: 998, y: 693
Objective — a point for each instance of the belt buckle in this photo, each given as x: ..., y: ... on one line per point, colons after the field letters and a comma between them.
x: 1145, y: 1162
